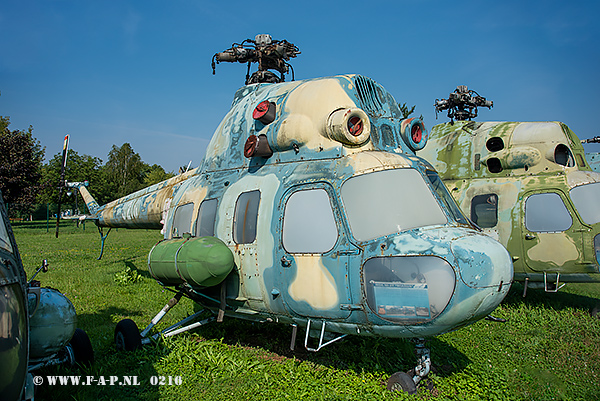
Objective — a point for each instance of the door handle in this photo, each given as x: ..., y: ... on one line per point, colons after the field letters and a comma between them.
x: 285, y: 262
x: 529, y: 236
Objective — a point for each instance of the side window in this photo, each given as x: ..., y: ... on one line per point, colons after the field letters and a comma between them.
x: 308, y: 223
x: 245, y: 217
x: 205, y: 224
x: 182, y: 221
x: 546, y: 213
x: 484, y: 210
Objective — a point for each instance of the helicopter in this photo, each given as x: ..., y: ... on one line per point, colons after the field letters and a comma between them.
x: 37, y: 324
x: 310, y: 208
x: 527, y: 184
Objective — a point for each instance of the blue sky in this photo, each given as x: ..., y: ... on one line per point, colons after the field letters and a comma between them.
x: 109, y: 72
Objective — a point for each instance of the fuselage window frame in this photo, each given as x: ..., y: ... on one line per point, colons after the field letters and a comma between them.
x: 245, y: 217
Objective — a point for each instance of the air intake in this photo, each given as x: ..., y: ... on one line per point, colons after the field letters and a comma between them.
x: 369, y: 95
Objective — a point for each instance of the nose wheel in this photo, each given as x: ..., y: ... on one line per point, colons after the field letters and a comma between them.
x: 401, y: 381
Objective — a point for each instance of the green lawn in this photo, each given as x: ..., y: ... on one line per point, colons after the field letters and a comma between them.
x: 549, y: 348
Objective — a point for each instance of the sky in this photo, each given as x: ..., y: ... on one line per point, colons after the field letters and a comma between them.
x: 109, y: 72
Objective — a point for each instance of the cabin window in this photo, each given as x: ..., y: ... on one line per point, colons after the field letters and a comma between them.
x: 207, y: 215
x: 308, y: 223
x: 182, y: 221
x: 484, y: 210
x: 388, y: 202
x: 546, y: 213
x: 245, y: 217
x: 401, y: 288
x: 585, y: 198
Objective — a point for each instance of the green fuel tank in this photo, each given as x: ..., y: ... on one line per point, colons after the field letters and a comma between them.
x: 198, y: 261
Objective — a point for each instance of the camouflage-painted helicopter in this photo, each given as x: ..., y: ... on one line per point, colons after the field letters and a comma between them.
x: 527, y: 184
x: 37, y: 324
x: 310, y: 208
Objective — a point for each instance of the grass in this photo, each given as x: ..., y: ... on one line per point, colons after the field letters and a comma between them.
x: 549, y: 348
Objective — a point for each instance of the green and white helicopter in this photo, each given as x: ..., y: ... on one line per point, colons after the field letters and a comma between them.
x: 527, y: 184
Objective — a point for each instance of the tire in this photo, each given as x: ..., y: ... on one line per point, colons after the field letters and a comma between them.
x: 127, y: 336
x: 401, y: 381
x: 81, y: 346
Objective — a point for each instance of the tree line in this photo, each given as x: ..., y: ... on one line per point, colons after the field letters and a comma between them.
x: 28, y: 184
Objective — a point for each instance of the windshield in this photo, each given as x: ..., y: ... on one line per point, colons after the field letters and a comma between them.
x: 389, y: 201
x: 585, y: 198
x: 445, y: 197
x: 4, y: 238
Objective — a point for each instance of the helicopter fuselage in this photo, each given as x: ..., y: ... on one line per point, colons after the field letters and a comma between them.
x: 337, y: 222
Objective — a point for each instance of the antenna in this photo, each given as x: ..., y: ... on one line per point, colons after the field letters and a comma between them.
x: 462, y: 104
x: 270, y: 54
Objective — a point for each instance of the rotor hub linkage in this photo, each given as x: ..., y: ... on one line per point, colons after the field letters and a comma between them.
x: 268, y: 53
x: 462, y: 104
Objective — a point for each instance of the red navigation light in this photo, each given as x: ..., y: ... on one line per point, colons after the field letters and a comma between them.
x: 250, y: 146
x: 257, y: 146
x: 264, y: 112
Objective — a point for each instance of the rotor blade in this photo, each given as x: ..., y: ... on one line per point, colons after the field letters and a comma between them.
x: 61, y: 183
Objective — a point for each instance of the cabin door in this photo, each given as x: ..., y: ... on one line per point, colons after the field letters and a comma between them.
x: 312, y: 258
x: 551, y: 233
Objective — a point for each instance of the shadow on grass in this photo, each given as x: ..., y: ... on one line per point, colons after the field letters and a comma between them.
x: 559, y: 300
x: 132, y: 266
x: 356, y: 353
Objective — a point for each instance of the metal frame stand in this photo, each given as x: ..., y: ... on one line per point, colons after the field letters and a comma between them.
x: 176, y: 328
x: 102, y: 238
x: 321, y: 344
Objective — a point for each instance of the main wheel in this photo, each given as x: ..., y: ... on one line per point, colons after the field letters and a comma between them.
x: 401, y: 381
x: 83, y: 353
x: 127, y: 336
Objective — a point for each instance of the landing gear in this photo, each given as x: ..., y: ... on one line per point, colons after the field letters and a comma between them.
x: 407, y: 382
x: 127, y: 336
x: 80, y: 344
x: 401, y: 381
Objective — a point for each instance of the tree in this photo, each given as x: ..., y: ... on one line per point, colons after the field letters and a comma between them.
x: 79, y: 168
x: 21, y: 157
x: 405, y: 110
x: 155, y: 174
x: 124, y: 171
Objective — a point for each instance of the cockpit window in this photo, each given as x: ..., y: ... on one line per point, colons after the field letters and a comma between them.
x: 389, y: 201
x: 444, y: 196
x: 585, y: 198
x: 4, y: 238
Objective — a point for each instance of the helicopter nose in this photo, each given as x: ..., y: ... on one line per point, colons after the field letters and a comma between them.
x: 482, y: 262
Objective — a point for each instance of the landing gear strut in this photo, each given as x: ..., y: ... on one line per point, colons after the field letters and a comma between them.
x: 401, y: 381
